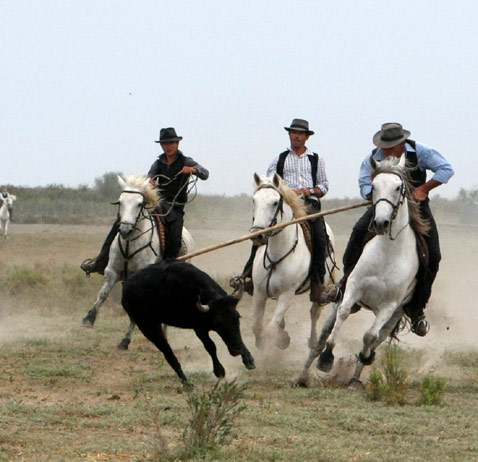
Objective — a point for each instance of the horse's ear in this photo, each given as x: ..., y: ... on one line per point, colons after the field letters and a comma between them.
x: 373, y: 163
x: 121, y: 182
x: 257, y: 179
x: 276, y: 179
x: 402, y: 161
x: 144, y: 185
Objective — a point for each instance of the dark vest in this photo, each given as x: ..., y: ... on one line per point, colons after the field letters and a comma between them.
x: 314, y: 162
x: 169, y: 189
x: 417, y: 176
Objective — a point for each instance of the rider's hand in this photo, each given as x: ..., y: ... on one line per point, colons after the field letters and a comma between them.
x: 302, y: 192
x: 188, y: 170
x: 419, y: 194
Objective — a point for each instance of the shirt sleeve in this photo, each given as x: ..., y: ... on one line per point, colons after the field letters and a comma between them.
x: 202, y: 173
x: 272, y: 167
x: 430, y: 159
x: 365, y: 178
x: 322, y: 181
x: 153, y: 170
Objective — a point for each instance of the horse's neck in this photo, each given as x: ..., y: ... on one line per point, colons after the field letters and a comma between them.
x: 286, y: 237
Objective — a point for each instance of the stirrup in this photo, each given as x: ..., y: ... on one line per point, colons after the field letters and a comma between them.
x: 331, y: 294
x: 88, y: 266
x: 236, y: 282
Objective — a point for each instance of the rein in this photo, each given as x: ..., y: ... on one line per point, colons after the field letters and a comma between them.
x: 269, y: 264
x: 395, y: 207
x: 140, y: 217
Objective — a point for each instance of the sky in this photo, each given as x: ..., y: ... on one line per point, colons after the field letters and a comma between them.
x: 87, y: 85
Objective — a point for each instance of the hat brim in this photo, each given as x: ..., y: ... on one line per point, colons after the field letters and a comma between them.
x: 377, y: 140
x: 178, y: 138
x: 297, y: 129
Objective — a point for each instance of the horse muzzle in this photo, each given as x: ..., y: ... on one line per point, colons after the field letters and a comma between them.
x: 381, y: 227
x: 126, y: 229
x: 259, y: 239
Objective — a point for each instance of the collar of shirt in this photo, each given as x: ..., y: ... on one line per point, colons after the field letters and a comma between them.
x: 380, y: 156
x: 307, y: 152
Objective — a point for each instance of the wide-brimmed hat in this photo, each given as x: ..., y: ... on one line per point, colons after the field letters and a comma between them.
x: 390, y: 135
x: 299, y: 125
x: 168, y: 134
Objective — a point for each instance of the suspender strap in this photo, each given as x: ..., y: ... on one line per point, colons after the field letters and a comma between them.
x: 314, y: 162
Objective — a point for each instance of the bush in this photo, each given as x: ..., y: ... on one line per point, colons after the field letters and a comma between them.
x: 390, y: 386
x: 432, y: 390
x: 212, y: 417
x: 21, y: 278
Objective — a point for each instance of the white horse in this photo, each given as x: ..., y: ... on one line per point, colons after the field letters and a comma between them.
x: 383, y: 279
x: 281, y: 267
x: 5, y: 204
x: 137, y: 243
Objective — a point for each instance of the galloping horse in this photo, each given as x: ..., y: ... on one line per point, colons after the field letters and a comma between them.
x: 383, y: 279
x: 281, y: 267
x: 5, y: 204
x: 137, y: 243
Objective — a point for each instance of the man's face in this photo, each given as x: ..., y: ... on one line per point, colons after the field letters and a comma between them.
x: 170, y: 147
x: 298, y: 139
x: 396, y: 151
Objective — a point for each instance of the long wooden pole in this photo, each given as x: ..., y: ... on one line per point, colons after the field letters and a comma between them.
x: 269, y: 229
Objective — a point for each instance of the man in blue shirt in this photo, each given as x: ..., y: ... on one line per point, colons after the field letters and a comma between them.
x: 393, y: 140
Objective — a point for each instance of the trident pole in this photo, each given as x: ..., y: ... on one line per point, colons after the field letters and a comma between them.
x: 269, y: 229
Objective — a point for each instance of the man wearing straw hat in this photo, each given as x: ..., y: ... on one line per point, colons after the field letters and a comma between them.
x: 393, y: 140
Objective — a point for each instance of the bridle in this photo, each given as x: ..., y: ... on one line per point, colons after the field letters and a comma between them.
x: 140, y: 216
x: 269, y: 264
x: 395, y: 207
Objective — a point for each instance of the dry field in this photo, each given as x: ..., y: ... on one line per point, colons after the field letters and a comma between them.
x: 67, y: 394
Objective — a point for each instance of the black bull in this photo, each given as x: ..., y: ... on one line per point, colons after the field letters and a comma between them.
x: 180, y: 295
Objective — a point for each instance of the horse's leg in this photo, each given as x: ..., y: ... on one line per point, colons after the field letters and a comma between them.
x: 276, y: 327
x: 326, y: 358
x: 111, y: 278
x: 375, y: 335
x: 303, y: 379
x: 259, y: 304
x: 315, y: 310
x: 123, y: 345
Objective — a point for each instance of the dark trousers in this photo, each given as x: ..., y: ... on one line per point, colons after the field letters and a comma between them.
x: 173, y: 222
x: 425, y: 276
x: 319, y: 246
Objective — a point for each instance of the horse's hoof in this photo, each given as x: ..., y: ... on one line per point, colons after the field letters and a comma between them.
x: 283, y: 341
x: 302, y: 382
x: 88, y: 322
x: 367, y: 361
x: 124, y: 344
x: 325, y: 361
x: 355, y: 384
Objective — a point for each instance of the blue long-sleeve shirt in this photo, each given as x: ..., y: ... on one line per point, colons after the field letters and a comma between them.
x: 428, y: 159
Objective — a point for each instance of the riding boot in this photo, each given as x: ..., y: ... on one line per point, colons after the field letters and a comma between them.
x: 246, y: 277
x: 99, y: 263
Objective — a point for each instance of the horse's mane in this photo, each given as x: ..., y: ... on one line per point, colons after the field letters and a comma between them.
x: 150, y: 193
x: 390, y: 165
x: 299, y: 209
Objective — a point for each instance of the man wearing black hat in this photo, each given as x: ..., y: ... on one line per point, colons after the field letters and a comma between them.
x: 393, y: 140
x: 303, y: 171
x: 170, y: 173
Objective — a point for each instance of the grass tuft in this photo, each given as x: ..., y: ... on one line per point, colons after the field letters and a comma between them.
x: 432, y: 390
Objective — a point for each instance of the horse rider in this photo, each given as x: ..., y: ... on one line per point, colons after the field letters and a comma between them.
x: 393, y: 140
x: 4, y: 195
x: 170, y: 173
x: 303, y: 171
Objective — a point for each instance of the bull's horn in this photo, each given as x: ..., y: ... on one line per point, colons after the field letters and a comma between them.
x: 201, y: 307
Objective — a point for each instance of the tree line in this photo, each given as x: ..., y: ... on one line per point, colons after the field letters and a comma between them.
x: 92, y: 205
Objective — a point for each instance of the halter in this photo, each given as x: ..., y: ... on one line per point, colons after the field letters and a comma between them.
x: 279, y: 209
x: 269, y: 264
x: 395, y: 207
x: 141, y: 216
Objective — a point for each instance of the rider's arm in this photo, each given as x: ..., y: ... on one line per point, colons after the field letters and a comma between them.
x: 198, y: 169
x: 322, y: 186
x: 365, y: 178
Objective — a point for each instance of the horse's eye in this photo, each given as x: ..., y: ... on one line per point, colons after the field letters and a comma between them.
x: 275, y: 203
x: 397, y: 188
